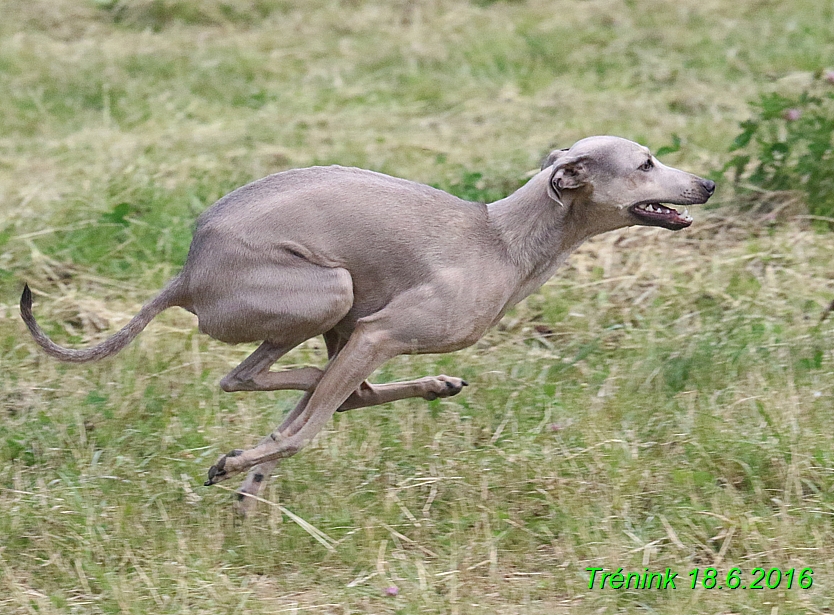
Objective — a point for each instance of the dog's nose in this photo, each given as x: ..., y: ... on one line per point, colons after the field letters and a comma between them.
x: 708, y: 185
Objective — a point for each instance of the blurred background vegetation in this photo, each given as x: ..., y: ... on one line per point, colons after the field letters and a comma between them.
x: 665, y: 401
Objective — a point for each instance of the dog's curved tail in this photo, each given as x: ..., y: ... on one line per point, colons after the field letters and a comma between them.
x: 165, y: 299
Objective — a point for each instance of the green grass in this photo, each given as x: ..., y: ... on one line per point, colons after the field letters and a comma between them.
x: 664, y: 402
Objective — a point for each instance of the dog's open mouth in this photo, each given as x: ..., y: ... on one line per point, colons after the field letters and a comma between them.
x: 655, y: 214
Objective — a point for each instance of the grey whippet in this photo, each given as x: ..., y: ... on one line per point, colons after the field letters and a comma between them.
x: 382, y: 266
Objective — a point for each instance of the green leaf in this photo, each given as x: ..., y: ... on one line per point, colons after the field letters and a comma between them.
x: 773, y: 105
x: 749, y: 128
x: 670, y: 149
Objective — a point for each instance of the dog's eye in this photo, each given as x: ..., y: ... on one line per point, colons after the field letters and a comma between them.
x: 647, y: 166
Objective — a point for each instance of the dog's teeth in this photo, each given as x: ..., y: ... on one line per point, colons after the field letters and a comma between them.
x: 650, y: 208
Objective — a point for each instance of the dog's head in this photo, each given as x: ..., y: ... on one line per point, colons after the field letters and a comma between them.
x: 621, y: 182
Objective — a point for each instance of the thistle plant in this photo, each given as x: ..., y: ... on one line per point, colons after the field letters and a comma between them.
x: 788, y: 144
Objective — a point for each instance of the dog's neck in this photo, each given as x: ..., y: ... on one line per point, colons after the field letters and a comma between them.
x: 540, y: 233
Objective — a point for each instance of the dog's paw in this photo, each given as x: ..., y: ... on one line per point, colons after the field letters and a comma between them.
x: 219, y: 471
x: 445, y: 386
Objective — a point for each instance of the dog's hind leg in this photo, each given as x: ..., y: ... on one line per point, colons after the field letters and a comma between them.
x: 367, y: 394
x: 368, y: 347
x: 253, y: 372
x: 253, y: 375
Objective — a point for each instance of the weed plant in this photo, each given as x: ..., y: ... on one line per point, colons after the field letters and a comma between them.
x: 789, y: 142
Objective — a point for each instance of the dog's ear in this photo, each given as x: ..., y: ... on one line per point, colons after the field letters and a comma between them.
x: 553, y: 157
x: 569, y: 173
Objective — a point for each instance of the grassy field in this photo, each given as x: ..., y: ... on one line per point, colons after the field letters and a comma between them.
x: 664, y: 402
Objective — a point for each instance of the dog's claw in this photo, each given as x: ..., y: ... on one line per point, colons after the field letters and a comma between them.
x: 448, y: 387
x: 218, y: 469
